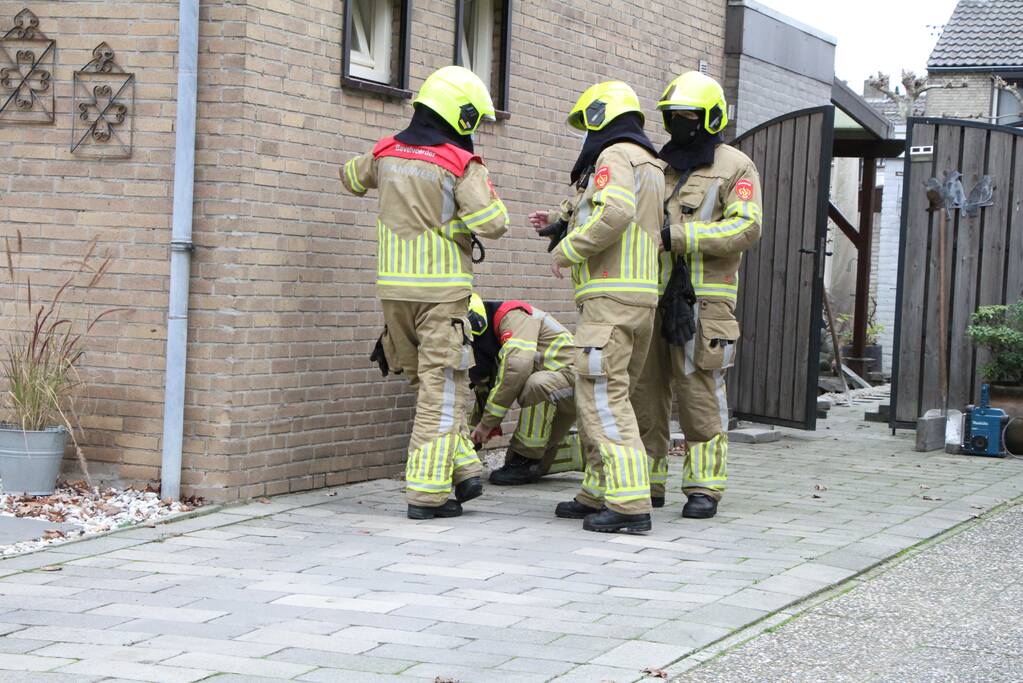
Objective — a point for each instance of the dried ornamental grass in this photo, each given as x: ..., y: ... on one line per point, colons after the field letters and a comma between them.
x: 40, y: 361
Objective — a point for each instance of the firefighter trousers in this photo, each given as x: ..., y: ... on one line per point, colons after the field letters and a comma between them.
x: 611, y: 345
x: 429, y: 343
x: 547, y: 414
x: 703, y: 416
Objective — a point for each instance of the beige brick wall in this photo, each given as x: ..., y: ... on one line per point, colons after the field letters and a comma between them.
x: 281, y: 395
x: 970, y: 102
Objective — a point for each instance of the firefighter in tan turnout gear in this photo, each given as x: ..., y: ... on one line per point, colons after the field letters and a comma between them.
x: 612, y: 231
x: 713, y: 214
x: 435, y: 197
x: 524, y: 355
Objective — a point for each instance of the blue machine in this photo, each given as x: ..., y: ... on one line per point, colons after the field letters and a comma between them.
x: 983, y: 427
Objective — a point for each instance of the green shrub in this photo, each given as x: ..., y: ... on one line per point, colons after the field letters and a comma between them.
x: 999, y: 330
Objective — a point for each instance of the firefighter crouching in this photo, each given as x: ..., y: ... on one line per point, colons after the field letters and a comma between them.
x: 612, y: 231
x: 524, y: 355
x: 435, y: 196
x: 713, y: 214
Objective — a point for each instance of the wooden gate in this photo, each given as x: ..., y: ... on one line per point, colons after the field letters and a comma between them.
x: 983, y: 258
x: 781, y: 279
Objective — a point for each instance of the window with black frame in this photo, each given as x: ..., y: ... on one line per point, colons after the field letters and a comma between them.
x: 483, y: 44
x: 375, y: 54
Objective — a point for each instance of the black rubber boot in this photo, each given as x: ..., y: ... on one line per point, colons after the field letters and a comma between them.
x: 517, y: 470
x: 451, y: 508
x: 700, y: 506
x: 657, y: 501
x: 468, y: 489
x: 609, y: 521
x: 573, y: 509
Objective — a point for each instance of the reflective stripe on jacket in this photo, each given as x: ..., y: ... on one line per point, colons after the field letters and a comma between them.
x: 431, y: 200
x: 614, y: 227
x: 715, y: 216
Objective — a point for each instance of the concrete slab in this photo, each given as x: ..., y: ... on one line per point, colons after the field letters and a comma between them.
x: 17, y: 529
x: 754, y: 435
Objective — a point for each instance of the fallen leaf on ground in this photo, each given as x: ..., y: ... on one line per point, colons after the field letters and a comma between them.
x: 820, y: 487
x: 929, y: 498
x: 440, y: 679
x: 655, y: 673
x: 263, y: 500
x: 50, y: 568
x: 331, y: 493
x: 816, y: 496
x: 924, y: 486
x: 53, y: 533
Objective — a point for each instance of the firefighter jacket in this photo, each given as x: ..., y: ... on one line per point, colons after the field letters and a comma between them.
x: 614, y: 225
x: 530, y: 340
x: 432, y: 199
x: 715, y: 216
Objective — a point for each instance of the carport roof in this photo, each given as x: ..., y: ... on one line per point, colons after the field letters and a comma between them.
x: 860, y: 129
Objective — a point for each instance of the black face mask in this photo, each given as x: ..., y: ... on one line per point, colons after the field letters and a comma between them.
x: 684, y: 131
x: 691, y: 146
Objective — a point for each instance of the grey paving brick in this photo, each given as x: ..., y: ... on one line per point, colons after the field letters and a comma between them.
x: 590, y: 673
x: 135, y: 653
x: 211, y: 646
x: 17, y: 662
x: 88, y: 636
x: 342, y: 661
x: 136, y: 672
x: 239, y: 665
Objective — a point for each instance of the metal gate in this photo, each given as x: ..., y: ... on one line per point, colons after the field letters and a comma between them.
x: 781, y: 279
x: 983, y: 258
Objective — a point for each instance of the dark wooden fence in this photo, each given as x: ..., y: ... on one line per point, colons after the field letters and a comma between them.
x: 781, y: 279
x: 983, y: 263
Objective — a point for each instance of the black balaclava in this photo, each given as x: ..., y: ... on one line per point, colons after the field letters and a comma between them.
x: 428, y: 128
x: 625, y: 128
x: 691, y: 146
x: 485, y: 348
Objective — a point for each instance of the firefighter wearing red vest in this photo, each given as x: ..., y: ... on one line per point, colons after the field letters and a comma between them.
x: 435, y: 197
x: 524, y: 355
x: 712, y: 216
x: 612, y: 229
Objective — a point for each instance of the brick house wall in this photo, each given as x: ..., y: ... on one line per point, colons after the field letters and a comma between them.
x: 970, y: 102
x: 280, y: 395
x: 763, y: 91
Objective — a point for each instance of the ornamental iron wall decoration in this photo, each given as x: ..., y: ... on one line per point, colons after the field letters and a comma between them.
x: 104, y: 101
x: 27, y: 58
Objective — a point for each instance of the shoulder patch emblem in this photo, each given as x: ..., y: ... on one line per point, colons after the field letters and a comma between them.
x: 505, y: 336
x: 744, y: 189
x: 602, y: 177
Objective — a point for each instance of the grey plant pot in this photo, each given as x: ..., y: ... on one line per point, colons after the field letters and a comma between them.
x: 30, y: 461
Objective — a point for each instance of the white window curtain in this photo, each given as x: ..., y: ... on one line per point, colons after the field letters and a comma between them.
x: 477, y: 37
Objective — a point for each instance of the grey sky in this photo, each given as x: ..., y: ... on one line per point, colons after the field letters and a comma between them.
x: 889, y: 35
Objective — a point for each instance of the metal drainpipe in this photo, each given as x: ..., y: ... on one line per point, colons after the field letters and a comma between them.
x: 181, y: 250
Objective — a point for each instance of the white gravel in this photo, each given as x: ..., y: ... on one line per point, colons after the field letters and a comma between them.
x: 83, y: 511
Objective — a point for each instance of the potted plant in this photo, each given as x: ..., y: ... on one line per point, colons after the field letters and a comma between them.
x: 998, y: 330
x: 39, y: 373
x: 870, y: 362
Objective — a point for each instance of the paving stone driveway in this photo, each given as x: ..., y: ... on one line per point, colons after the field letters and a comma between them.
x: 338, y: 586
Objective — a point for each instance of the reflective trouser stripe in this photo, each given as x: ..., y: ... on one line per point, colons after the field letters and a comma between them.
x: 607, y: 418
x: 706, y: 465
x: 534, y: 426
x: 569, y: 457
x: 658, y: 471
x: 592, y: 484
x: 447, y: 407
x: 626, y: 471
x: 430, y: 466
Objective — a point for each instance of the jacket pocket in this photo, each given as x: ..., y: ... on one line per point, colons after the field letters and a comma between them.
x: 460, y: 350
x: 590, y: 341
x: 715, y: 343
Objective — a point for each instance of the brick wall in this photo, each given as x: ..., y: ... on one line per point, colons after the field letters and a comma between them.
x: 280, y: 393
x: 763, y: 91
x: 971, y: 102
